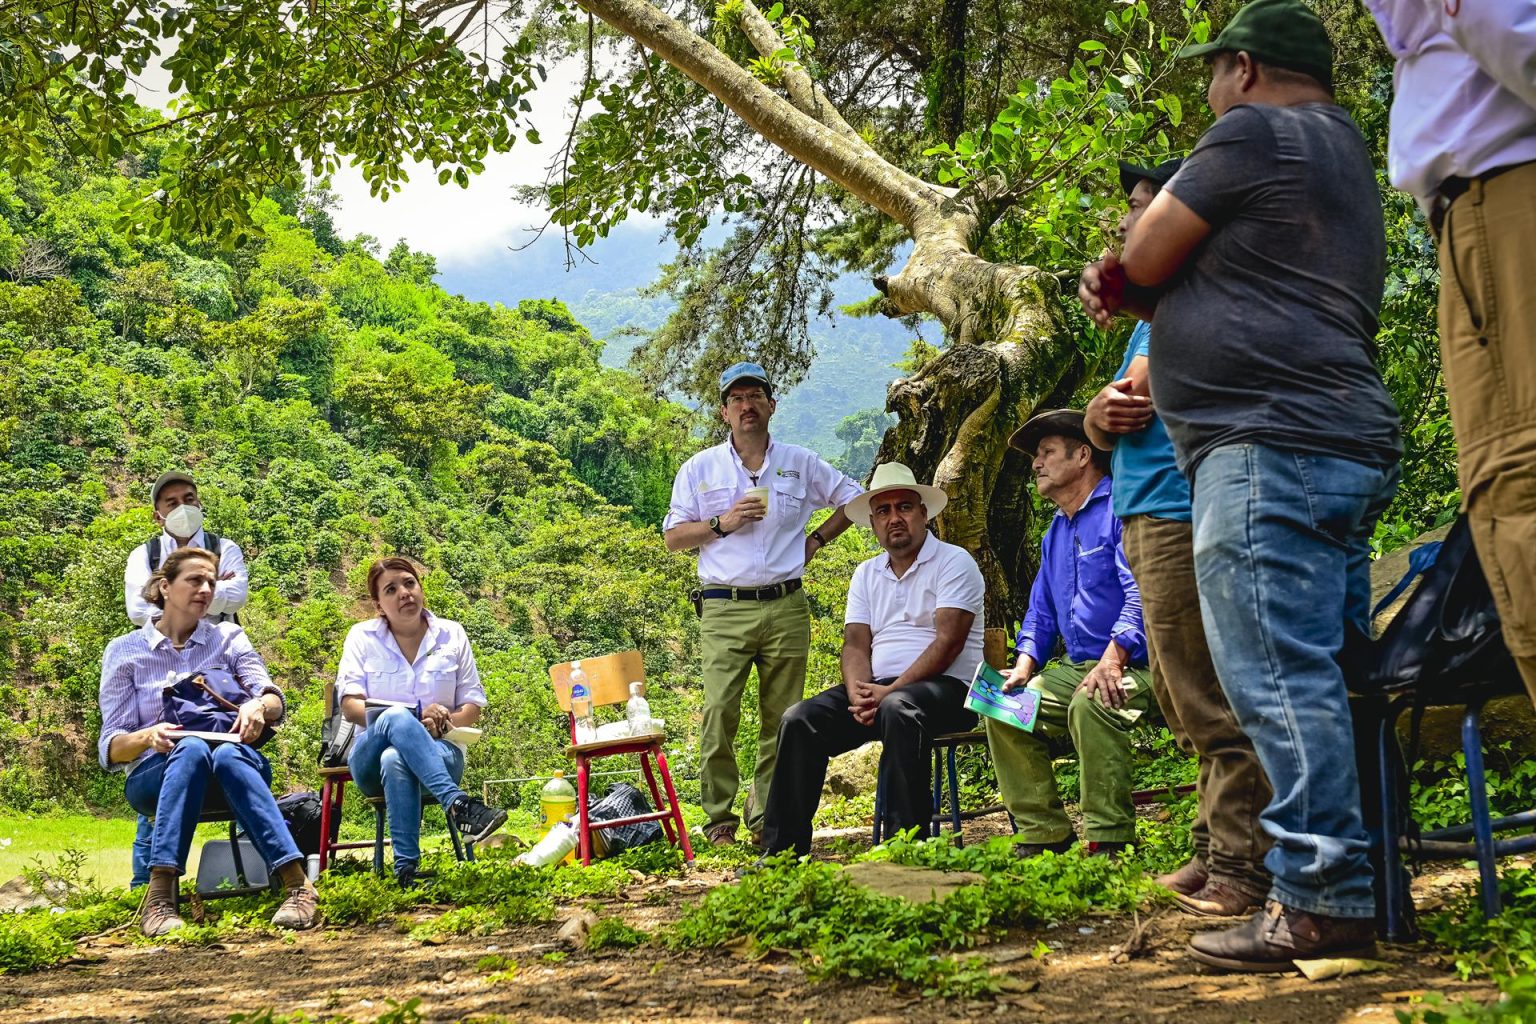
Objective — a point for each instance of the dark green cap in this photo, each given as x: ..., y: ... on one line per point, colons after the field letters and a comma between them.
x: 1284, y: 33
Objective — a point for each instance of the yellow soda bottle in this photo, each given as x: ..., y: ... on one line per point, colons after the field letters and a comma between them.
x: 557, y: 802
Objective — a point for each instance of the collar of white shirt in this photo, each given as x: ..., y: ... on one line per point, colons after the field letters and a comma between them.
x: 924, y: 554
x: 153, y: 638
x: 730, y: 445
x: 436, y: 632
x: 169, y: 543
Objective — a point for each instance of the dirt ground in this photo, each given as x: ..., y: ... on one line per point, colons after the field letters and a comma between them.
x: 354, y: 971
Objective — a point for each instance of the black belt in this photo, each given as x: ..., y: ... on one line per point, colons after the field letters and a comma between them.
x: 772, y: 593
x: 1453, y: 188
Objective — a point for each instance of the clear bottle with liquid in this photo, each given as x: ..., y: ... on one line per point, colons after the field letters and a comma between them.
x: 581, y: 705
x: 638, y: 711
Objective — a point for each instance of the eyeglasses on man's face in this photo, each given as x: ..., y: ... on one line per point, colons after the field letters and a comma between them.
x: 741, y: 398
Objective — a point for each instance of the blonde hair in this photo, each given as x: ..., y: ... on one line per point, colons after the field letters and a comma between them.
x: 174, y: 565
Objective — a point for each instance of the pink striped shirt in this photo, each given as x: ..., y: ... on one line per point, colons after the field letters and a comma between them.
x: 136, y: 668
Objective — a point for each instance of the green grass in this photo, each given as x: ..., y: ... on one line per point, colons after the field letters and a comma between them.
x: 107, y: 844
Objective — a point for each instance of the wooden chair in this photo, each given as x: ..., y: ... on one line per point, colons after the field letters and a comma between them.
x: 333, y: 787
x: 609, y: 677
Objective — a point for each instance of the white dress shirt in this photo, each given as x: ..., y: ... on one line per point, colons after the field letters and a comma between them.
x: 900, y: 610
x: 1465, y: 88
x: 772, y: 549
x: 229, y: 596
x: 444, y: 671
x: 136, y: 668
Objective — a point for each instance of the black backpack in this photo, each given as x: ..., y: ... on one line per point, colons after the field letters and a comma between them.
x: 336, y: 738
x: 1447, y: 639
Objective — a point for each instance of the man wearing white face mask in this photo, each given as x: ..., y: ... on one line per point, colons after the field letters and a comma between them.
x: 180, y: 515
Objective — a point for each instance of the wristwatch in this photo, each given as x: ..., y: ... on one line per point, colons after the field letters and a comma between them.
x: 714, y: 524
x: 821, y: 541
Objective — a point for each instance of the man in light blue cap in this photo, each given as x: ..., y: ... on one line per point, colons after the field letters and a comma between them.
x: 744, y: 505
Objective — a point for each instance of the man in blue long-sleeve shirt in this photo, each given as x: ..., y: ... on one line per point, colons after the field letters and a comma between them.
x: 1085, y: 596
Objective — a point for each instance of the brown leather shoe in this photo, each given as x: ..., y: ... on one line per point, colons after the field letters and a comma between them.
x: 1218, y: 899
x: 723, y: 834
x: 158, y: 915
x: 1189, y: 879
x: 298, y: 910
x: 1277, y: 936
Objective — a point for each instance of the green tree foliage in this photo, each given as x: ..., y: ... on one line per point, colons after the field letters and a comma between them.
x: 334, y: 408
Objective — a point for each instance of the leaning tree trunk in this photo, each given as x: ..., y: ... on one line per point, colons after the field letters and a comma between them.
x: 955, y: 417
x: 1008, y: 351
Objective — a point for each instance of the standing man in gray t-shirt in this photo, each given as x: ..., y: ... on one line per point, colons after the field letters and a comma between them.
x: 1261, y: 266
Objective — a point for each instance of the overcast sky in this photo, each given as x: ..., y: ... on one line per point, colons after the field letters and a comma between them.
x: 456, y: 225
x: 461, y: 225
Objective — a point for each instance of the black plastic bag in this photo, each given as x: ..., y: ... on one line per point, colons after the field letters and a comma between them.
x: 623, y: 801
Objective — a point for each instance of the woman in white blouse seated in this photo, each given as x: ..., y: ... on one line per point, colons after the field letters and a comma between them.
x: 411, y: 656
x: 168, y: 772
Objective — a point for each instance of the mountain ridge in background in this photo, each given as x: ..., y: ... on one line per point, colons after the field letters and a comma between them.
x: 855, y: 356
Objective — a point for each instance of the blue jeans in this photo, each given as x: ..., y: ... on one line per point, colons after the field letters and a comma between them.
x: 1282, y: 545
x: 141, y: 838
x: 399, y: 758
x: 171, y: 789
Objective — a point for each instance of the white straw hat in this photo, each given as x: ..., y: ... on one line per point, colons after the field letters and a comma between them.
x: 893, y: 476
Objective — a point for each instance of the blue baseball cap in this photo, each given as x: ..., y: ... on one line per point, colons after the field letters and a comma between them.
x: 739, y: 372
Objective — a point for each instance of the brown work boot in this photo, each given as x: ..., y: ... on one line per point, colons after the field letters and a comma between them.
x: 1277, y: 936
x: 722, y: 834
x: 1024, y: 851
x: 1219, y: 899
x: 158, y: 914
x: 1189, y: 879
x: 298, y: 909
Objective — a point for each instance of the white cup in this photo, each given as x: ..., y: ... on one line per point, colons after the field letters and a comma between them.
x: 760, y: 493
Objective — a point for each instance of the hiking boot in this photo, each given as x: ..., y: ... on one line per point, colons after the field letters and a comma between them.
x: 1219, y: 899
x: 1107, y: 849
x: 158, y: 914
x: 298, y: 909
x: 405, y: 875
x: 1189, y: 879
x: 475, y: 819
x: 722, y: 834
x: 1024, y: 851
x: 1277, y: 936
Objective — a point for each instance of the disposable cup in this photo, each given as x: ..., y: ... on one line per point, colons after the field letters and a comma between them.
x: 760, y: 493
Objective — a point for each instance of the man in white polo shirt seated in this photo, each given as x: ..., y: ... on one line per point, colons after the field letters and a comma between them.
x: 912, y: 638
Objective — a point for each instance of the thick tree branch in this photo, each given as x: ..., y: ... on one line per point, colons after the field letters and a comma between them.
x: 859, y: 169
x: 804, y: 93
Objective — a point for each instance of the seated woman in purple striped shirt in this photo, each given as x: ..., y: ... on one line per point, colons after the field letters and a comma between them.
x: 169, y: 773
x: 423, y: 665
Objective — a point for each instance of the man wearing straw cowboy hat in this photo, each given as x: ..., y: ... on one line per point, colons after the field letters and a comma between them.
x: 1084, y: 595
x: 912, y: 637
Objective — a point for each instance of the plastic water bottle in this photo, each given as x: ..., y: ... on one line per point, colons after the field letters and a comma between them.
x: 638, y: 711
x: 557, y: 803
x: 581, y: 705
x: 554, y: 847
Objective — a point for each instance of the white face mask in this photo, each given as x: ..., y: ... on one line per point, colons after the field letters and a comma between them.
x: 184, y: 522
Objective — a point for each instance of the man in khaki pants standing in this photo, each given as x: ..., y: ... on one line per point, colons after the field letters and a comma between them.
x: 744, y: 504
x: 1227, y: 874
x: 1464, y: 143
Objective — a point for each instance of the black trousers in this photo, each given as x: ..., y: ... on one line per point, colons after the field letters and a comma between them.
x: 817, y: 729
